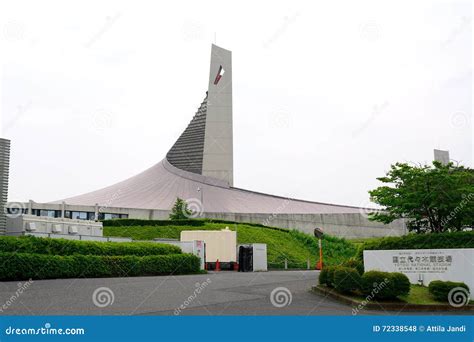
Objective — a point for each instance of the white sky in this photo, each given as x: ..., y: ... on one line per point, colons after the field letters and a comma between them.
x: 326, y: 94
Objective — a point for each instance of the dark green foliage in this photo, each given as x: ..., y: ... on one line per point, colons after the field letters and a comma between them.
x: 324, y: 276
x: 294, y: 246
x: 185, y: 222
x: 434, y: 198
x: 400, y: 283
x: 380, y: 285
x: 417, y: 241
x: 180, y: 210
x: 335, y: 250
x: 34, y: 245
x: 346, y: 279
x: 439, y: 290
x: 355, y: 263
x: 20, y: 266
x: 330, y: 275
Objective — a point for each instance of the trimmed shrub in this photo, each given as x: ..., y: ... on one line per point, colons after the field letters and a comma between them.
x: 421, y: 241
x: 355, y: 263
x: 378, y: 285
x: 346, y: 279
x: 324, y: 276
x: 330, y: 275
x: 20, y: 266
x: 34, y: 245
x: 439, y: 290
x: 400, y: 283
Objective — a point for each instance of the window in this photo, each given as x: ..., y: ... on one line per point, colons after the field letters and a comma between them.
x: 48, y: 213
x: 79, y: 215
x: 110, y: 216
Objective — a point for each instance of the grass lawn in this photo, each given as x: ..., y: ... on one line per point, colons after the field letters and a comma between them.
x: 294, y: 246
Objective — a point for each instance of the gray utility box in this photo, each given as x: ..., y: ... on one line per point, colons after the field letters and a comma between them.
x: 252, y: 257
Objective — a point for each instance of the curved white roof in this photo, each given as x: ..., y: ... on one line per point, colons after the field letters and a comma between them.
x: 159, y: 186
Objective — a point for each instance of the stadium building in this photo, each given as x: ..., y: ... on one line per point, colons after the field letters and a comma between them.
x: 199, y: 168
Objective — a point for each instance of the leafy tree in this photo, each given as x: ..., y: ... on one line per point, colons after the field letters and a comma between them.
x: 180, y: 210
x: 433, y: 198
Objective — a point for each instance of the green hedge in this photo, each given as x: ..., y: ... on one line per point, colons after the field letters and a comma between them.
x: 355, y: 263
x: 346, y: 279
x: 439, y: 290
x: 20, y: 266
x: 384, y: 285
x: 166, y: 223
x: 34, y: 245
x: 421, y: 241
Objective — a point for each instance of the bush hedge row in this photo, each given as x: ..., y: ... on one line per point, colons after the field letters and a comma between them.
x: 421, y: 241
x: 166, y: 223
x: 439, y: 290
x: 34, y: 245
x: 384, y: 285
x: 21, y: 266
x: 377, y: 285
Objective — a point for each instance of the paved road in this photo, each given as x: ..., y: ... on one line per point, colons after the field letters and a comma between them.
x: 223, y: 293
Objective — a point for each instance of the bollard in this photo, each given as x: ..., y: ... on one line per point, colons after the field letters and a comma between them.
x: 286, y: 264
x: 308, y: 264
x: 218, y: 266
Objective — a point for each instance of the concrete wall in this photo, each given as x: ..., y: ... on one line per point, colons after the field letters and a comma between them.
x: 47, y: 225
x: 342, y: 225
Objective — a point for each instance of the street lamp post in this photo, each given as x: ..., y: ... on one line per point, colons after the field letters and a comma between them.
x: 318, y: 233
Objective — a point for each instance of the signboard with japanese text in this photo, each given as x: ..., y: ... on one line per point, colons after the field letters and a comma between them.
x: 422, y: 266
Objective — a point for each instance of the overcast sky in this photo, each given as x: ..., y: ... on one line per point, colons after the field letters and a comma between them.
x: 326, y: 94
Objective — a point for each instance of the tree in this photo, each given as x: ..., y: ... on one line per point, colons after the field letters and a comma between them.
x: 180, y: 210
x: 433, y: 198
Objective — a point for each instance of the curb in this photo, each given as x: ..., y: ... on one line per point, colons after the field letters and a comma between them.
x: 391, y: 306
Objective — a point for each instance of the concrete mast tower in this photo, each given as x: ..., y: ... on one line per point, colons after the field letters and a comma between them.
x: 206, y: 146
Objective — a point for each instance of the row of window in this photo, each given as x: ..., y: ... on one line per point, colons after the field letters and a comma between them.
x: 78, y: 215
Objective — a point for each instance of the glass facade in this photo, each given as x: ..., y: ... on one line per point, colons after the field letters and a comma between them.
x: 77, y: 215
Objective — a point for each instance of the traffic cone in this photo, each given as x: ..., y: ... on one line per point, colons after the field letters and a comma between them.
x: 218, y: 266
